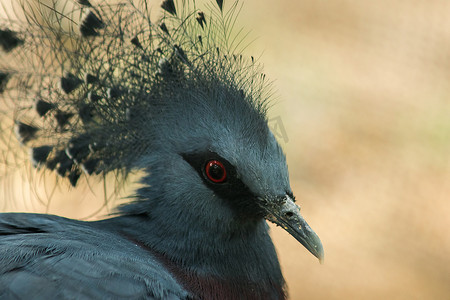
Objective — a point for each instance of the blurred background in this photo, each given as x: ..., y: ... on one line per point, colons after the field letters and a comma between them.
x: 363, y: 95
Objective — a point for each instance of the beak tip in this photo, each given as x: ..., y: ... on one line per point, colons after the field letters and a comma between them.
x: 320, y: 253
x: 321, y: 258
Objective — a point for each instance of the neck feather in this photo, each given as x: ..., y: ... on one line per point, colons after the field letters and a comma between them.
x: 211, y: 264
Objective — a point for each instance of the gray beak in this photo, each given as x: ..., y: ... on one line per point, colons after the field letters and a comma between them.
x: 285, y: 213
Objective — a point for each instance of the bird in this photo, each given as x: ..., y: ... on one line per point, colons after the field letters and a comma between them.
x: 95, y: 88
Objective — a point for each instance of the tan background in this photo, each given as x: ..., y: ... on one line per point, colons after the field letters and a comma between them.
x: 364, y: 95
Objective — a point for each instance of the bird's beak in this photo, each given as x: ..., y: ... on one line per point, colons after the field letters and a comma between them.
x: 285, y: 213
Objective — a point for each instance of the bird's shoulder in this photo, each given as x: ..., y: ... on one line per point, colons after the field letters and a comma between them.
x: 46, y: 257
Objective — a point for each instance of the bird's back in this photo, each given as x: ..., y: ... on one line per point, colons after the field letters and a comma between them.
x: 49, y: 257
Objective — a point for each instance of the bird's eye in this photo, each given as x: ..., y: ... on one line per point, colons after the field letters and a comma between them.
x: 215, y: 171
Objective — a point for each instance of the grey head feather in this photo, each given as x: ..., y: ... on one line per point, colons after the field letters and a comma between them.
x: 119, y: 86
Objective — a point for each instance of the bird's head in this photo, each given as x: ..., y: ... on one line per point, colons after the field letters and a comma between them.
x: 214, y: 159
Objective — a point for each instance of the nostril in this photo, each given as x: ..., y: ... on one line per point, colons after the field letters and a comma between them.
x: 288, y: 214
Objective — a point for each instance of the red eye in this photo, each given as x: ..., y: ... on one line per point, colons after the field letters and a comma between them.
x: 215, y: 171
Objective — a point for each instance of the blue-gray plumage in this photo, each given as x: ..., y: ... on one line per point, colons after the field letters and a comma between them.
x: 49, y: 257
x: 175, y: 99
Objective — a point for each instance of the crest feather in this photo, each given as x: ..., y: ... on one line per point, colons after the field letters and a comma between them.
x: 79, y: 83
